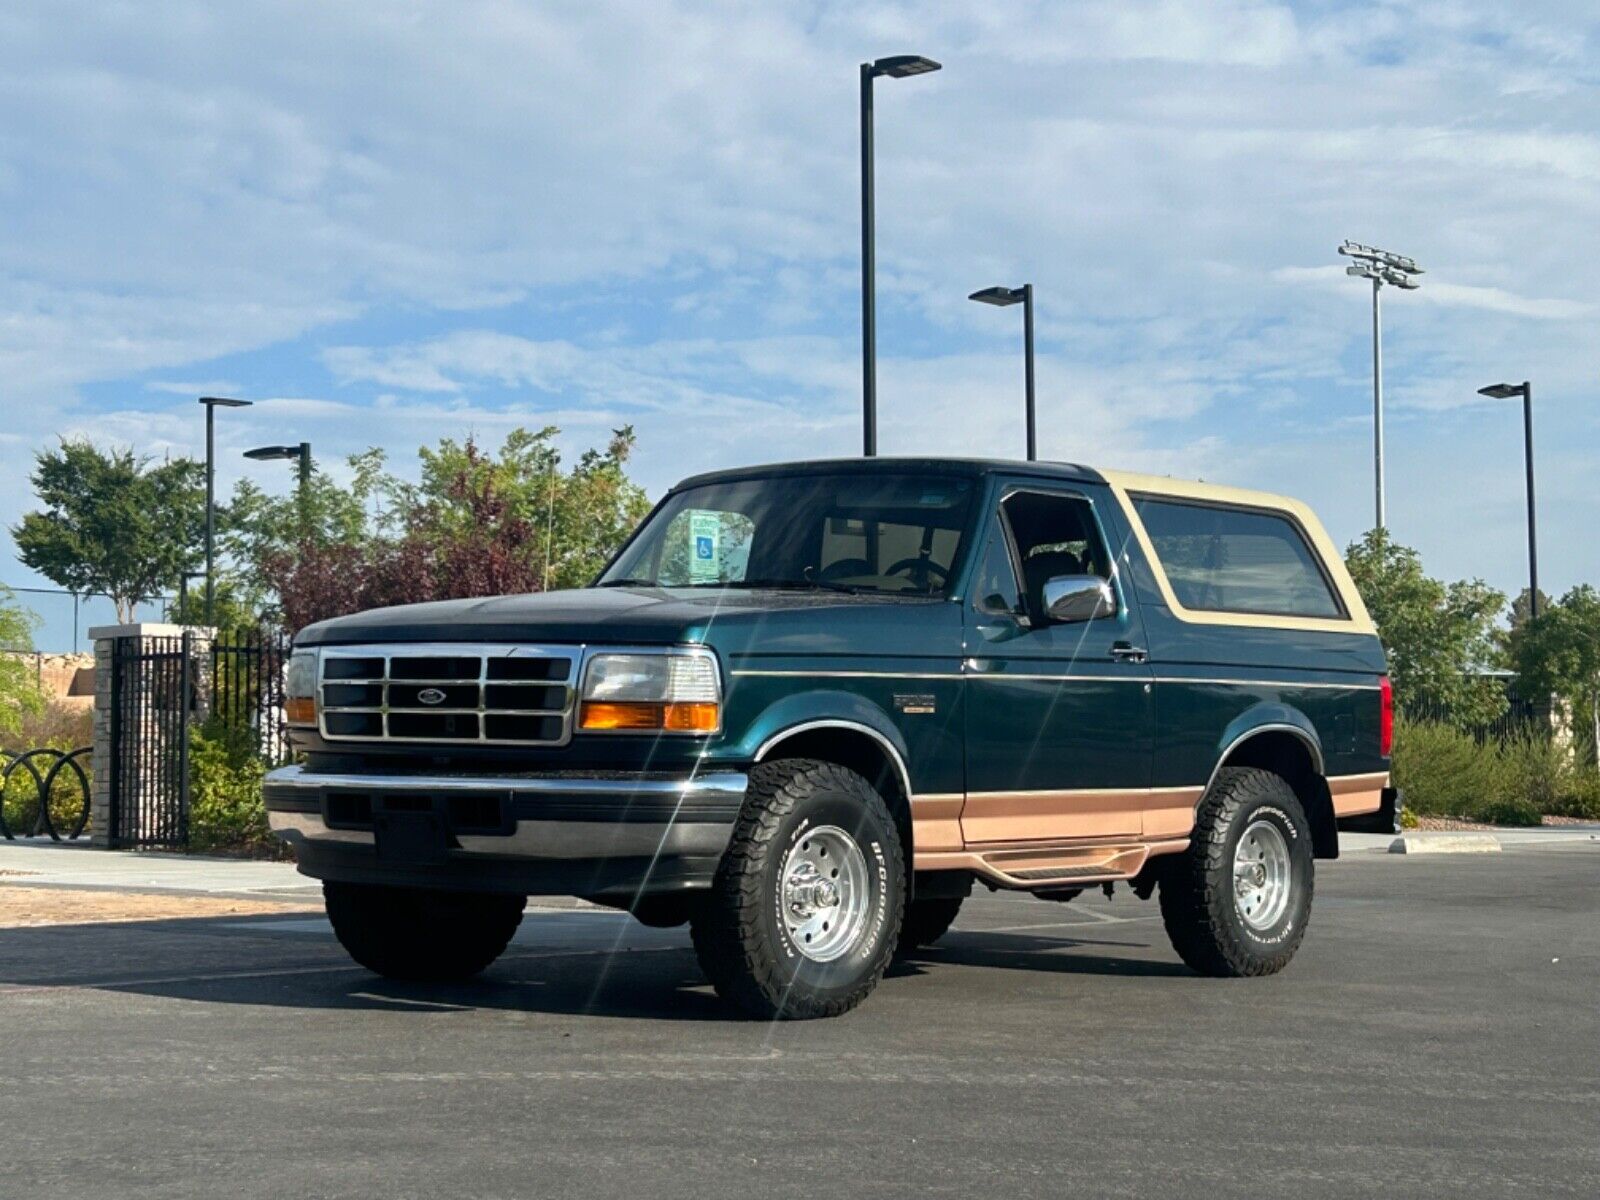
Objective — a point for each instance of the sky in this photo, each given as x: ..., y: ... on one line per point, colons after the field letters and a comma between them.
x: 387, y: 223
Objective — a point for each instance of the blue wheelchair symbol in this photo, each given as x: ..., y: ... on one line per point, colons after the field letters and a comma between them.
x: 702, y: 547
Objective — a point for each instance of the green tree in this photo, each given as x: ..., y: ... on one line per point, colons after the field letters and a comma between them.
x: 1439, y: 637
x: 260, y: 529
x: 19, y: 692
x: 1522, y: 607
x: 1557, y: 653
x: 476, y: 522
x: 112, y: 523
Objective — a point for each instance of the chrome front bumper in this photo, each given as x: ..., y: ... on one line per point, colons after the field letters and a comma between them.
x: 547, y: 817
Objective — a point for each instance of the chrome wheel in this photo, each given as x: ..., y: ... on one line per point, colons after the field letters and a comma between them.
x: 1262, y: 876
x: 824, y: 893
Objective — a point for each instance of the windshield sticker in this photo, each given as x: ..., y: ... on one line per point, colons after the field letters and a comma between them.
x: 705, y: 563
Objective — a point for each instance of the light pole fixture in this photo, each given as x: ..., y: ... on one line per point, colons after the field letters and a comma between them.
x: 302, y: 452
x: 1004, y: 297
x: 212, y: 403
x: 899, y: 66
x: 1504, y: 391
x: 1380, y: 266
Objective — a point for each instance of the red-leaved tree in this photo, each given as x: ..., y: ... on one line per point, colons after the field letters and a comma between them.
x: 477, y: 525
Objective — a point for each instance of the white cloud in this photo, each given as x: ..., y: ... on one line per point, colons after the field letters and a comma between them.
x: 667, y: 193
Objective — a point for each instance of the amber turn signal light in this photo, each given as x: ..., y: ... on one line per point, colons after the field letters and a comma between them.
x: 300, y: 710
x: 645, y: 716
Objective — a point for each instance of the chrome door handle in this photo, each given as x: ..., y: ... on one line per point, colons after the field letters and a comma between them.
x: 1127, y: 652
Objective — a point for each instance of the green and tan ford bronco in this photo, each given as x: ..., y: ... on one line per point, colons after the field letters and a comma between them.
x: 807, y: 706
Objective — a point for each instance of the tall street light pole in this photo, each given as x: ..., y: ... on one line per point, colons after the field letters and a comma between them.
x: 1380, y: 266
x: 898, y: 66
x: 212, y: 403
x: 1004, y: 297
x: 1504, y: 391
x: 302, y: 453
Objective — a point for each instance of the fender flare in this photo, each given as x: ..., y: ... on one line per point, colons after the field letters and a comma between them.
x: 802, y: 712
x: 1268, y: 718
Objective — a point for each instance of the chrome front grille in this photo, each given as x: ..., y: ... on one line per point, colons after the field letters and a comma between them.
x: 448, y: 694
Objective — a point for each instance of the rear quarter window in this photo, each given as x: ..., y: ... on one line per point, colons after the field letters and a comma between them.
x: 1225, y: 559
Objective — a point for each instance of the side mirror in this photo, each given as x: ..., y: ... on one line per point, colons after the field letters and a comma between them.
x: 1071, y: 598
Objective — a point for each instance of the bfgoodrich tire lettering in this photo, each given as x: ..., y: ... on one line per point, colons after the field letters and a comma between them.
x: 1219, y: 905
x: 420, y: 934
x: 741, y: 935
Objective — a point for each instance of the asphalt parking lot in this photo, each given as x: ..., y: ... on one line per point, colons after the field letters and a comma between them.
x: 1438, y: 1034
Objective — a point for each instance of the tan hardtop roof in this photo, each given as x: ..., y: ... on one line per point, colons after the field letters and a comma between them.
x: 1124, y: 483
x: 1194, y: 489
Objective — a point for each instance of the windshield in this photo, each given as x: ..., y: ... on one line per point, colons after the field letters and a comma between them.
x: 899, y: 534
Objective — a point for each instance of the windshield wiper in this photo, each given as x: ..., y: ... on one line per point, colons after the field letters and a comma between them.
x: 848, y: 589
x: 627, y: 583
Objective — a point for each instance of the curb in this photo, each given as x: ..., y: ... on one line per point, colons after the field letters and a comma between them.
x: 1448, y: 843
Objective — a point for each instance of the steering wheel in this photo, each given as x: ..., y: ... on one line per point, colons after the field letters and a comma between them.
x: 920, y: 571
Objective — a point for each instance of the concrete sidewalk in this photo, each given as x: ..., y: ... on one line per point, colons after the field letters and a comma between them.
x: 52, y: 865
x: 1543, y: 835
x: 48, y: 864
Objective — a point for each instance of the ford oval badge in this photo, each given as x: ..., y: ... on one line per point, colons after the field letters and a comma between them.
x: 430, y: 696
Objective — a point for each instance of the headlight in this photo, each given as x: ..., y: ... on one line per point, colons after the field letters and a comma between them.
x: 300, y: 689
x: 670, y: 691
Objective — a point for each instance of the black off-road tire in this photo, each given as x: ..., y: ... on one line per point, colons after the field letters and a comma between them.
x: 926, y: 921
x: 739, y: 933
x: 1198, y: 903
x: 420, y: 934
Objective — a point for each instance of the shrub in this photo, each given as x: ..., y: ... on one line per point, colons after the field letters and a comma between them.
x: 58, y: 725
x: 225, y: 773
x: 1541, y: 769
x: 1507, y: 810
x: 1580, y: 798
x: 1446, y: 773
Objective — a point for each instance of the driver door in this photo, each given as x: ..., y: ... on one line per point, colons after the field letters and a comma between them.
x: 1058, y: 716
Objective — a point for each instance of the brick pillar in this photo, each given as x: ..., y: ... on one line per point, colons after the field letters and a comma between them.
x: 100, y: 756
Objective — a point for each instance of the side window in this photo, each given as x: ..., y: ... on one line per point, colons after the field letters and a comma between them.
x: 995, y: 587
x: 1055, y: 535
x: 1236, y: 560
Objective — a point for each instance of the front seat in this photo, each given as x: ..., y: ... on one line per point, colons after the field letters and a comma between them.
x: 1039, y: 569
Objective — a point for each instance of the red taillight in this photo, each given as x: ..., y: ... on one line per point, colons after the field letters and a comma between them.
x: 1385, y: 716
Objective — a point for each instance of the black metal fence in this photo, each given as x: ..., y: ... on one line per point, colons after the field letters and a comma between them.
x: 160, y: 686
x: 1522, y: 717
x: 152, y: 701
x: 247, y: 681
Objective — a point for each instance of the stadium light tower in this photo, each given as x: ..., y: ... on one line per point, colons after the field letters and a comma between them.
x: 1380, y: 266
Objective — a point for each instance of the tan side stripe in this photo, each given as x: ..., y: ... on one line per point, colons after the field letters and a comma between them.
x: 1339, y: 784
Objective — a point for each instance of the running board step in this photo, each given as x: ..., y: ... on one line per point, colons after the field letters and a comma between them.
x: 1045, y: 874
x: 1039, y: 868
x: 1035, y: 869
